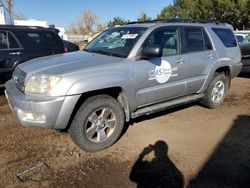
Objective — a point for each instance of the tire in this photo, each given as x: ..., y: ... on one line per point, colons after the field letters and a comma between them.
x: 216, y: 91
x: 97, y: 124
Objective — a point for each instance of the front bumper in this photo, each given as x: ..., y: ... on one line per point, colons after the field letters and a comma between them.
x: 38, y: 110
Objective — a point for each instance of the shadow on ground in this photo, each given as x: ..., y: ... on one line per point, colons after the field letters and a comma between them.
x: 229, y: 166
x: 158, y: 172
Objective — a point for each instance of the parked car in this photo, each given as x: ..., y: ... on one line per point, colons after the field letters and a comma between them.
x: 245, y: 51
x: 70, y: 47
x: 21, y: 43
x: 125, y: 72
x: 240, y: 37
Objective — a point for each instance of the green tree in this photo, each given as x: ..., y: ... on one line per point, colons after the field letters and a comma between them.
x: 167, y: 13
x: 117, y: 21
x: 235, y: 12
x: 143, y: 17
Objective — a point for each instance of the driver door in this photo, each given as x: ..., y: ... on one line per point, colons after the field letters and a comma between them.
x: 159, y: 79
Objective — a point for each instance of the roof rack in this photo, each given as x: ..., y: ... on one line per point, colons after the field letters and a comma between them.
x: 174, y: 20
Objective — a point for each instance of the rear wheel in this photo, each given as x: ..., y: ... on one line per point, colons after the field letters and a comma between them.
x: 98, y: 123
x: 216, y: 91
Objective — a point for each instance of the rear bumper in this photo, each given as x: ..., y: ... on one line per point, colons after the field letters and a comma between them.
x: 38, y: 111
x: 246, y: 66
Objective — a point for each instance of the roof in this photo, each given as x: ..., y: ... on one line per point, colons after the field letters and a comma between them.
x: 173, y: 21
x: 16, y: 27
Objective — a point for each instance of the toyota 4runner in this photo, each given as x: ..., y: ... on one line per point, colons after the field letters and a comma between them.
x: 125, y: 72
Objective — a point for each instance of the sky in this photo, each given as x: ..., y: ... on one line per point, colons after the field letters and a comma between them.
x: 63, y: 12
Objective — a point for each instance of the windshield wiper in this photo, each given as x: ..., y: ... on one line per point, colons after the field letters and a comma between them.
x: 104, y: 52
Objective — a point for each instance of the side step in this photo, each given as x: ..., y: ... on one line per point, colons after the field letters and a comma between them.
x: 166, y: 105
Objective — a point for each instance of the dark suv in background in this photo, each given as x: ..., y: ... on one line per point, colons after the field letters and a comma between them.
x: 245, y: 51
x: 21, y: 43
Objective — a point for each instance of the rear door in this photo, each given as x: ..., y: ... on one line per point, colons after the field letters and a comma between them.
x: 10, y: 50
x: 198, y: 54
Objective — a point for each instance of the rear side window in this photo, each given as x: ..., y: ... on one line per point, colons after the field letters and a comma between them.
x: 3, y: 40
x: 226, y: 36
x: 195, y: 39
x: 7, y: 41
x: 13, y: 42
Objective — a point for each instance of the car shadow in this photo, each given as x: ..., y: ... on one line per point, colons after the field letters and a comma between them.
x: 158, y: 172
x: 229, y: 165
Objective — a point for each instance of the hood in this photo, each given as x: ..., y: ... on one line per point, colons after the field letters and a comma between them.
x: 66, y: 63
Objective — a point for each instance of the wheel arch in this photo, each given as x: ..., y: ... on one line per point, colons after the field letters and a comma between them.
x: 222, y: 69
x: 116, y: 92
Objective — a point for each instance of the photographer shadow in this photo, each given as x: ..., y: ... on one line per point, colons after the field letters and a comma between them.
x: 159, y: 172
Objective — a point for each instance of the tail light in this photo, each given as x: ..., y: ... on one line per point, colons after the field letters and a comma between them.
x: 65, y: 49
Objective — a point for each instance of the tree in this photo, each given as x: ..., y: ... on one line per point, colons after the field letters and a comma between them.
x: 87, y: 23
x: 8, y: 3
x: 235, y: 12
x: 117, y: 21
x: 20, y: 16
x: 168, y: 12
x: 143, y: 17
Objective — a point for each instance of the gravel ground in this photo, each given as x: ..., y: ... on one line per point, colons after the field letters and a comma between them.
x: 189, y: 146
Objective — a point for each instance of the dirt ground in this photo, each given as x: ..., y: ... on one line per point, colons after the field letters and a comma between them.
x: 189, y: 146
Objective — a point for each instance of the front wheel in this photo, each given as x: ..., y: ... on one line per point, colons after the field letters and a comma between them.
x: 217, y: 91
x: 98, y: 123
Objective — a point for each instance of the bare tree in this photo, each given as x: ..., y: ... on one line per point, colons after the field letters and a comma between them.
x: 20, y: 16
x: 89, y: 20
x: 87, y: 23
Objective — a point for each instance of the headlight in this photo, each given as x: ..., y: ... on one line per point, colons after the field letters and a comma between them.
x: 42, y: 83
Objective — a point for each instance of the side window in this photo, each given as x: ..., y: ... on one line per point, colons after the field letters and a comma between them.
x: 193, y: 39
x: 3, y: 40
x: 167, y: 38
x: 226, y: 36
x: 13, y: 42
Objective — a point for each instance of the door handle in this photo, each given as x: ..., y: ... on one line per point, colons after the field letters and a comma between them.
x: 210, y: 56
x: 180, y: 61
x: 15, y: 53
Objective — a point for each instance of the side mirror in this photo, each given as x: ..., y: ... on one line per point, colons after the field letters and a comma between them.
x: 151, y: 52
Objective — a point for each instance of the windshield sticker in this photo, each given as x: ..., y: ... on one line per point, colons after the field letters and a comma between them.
x: 129, y: 36
x: 163, y: 72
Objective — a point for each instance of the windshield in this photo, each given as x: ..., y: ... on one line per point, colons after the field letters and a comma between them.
x: 246, y: 40
x: 116, y: 41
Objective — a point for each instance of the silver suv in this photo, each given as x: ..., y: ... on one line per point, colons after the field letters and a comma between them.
x: 125, y: 72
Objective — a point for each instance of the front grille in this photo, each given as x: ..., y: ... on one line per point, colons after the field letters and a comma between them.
x: 19, y: 78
